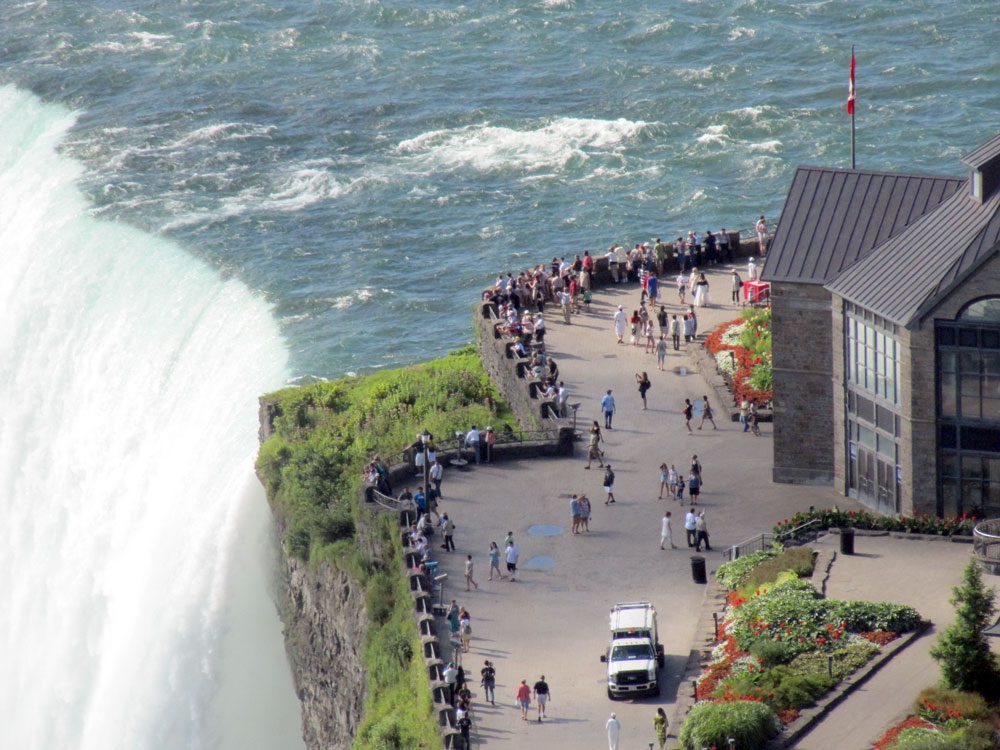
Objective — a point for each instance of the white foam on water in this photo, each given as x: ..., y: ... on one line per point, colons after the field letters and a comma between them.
x: 714, y: 134
x: 742, y: 32
x: 129, y: 374
x: 488, y: 148
x: 770, y: 147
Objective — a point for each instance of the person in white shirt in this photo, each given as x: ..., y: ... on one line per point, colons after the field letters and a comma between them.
x: 666, y: 533
x: 620, y: 320
x: 511, y: 556
x: 436, y: 474
x: 690, y: 526
x: 562, y: 395
x: 612, y: 257
x: 751, y: 270
x: 565, y: 301
x: 472, y: 441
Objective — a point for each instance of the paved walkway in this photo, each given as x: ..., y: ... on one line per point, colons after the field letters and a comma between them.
x: 883, y: 570
x: 554, y: 619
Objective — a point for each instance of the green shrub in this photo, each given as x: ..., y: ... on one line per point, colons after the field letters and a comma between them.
x: 979, y: 735
x: 969, y: 705
x: 750, y: 723
x: 927, y: 739
x: 733, y: 574
x: 861, y: 617
x: 846, y: 660
x: 798, y: 560
x: 962, y: 651
x: 771, y: 653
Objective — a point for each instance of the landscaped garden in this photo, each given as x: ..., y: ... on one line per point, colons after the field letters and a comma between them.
x: 742, y: 351
x: 833, y: 518
x: 958, y: 715
x: 781, y: 646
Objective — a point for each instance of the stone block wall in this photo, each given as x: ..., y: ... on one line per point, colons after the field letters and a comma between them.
x: 803, y: 385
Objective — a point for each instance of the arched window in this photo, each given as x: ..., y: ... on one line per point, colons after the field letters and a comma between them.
x: 985, y: 310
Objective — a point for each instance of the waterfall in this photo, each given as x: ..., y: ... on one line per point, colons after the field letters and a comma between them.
x: 129, y: 374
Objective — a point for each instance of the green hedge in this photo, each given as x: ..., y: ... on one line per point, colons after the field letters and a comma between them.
x: 311, y: 466
x: 833, y: 518
x: 733, y: 574
x: 750, y: 723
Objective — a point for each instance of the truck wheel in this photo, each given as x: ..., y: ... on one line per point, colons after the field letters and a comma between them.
x: 661, y: 660
x: 611, y: 696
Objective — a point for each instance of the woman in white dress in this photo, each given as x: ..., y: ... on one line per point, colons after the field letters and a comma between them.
x: 701, y: 292
x: 620, y: 318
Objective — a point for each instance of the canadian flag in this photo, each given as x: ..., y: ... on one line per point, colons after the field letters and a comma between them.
x: 850, y: 92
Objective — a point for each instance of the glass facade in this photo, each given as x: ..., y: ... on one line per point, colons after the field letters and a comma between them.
x: 872, y: 401
x: 968, y: 410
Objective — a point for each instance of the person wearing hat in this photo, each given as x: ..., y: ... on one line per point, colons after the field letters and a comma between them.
x: 614, y: 728
x: 620, y: 319
x: 751, y: 270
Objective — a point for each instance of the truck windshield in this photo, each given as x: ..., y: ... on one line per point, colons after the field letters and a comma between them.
x: 635, y: 652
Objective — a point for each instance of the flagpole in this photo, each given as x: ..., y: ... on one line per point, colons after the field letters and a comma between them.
x: 853, y: 166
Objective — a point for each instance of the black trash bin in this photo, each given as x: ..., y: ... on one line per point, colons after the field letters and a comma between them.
x: 698, y: 569
x: 847, y: 541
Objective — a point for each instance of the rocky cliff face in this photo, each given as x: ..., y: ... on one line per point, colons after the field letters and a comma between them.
x: 325, y: 633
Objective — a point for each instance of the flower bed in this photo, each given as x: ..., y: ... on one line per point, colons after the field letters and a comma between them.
x: 863, y: 519
x: 946, y: 719
x: 782, y: 644
x: 742, y: 351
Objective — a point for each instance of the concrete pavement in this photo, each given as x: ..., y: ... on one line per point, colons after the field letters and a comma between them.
x: 554, y: 619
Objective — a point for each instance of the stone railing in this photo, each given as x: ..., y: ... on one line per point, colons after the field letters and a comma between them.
x: 986, y: 545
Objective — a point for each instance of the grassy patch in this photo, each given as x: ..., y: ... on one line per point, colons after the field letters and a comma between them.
x: 311, y: 466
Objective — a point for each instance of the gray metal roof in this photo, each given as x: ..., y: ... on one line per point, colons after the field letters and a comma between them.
x: 905, y: 278
x: 984, y: 154
x: 834, y: 217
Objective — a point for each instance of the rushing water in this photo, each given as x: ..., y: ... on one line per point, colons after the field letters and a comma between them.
x: 201, y: 200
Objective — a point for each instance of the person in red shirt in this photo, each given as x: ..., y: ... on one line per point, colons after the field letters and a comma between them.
x: 524, y: 698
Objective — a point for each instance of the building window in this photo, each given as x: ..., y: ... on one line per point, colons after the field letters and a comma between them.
x: 872, y: 357
x: 968, y: 376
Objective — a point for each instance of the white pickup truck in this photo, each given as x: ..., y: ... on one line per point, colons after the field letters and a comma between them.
x: 635, y: 653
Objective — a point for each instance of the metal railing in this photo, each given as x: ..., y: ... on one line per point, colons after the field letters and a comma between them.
x: 986, y: 544
x: 391, y: 503
x: 802, y: 533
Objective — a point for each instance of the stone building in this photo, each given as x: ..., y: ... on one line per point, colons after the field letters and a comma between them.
x: 886, y: 336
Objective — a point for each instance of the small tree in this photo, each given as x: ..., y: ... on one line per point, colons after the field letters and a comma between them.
x: 962, y: 651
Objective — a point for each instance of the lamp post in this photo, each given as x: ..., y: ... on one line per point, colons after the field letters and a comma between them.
x: 425, y: 442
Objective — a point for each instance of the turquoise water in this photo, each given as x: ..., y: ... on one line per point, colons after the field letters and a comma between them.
x: 367, y: 165
x: 200, y: 201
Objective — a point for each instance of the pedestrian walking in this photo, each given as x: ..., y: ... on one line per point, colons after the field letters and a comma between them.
x: 661, y: 352
x: 584, y: 513
x: 450, y: 680
x: 689, y: 328
x: 608, y: 407
x: 660, y: 724
x: 675, y: 333
x: 761, y: 229
x: 672, y: 481
x: 437, y: 474
x: 574, y: 511
x: 620, y: 319
x: 594, y: 447
x: 694, y: 486
x: 754, y: 418
x: 664, y: 479
x: 609, y: 485
x: 453, y: 619
x: 745, y: 414
x: 693, y: 317
x: 688, y: 412
x: 644, y: 386
x: 524, y: 699
x: 491, y: 440
x: 696, y: 469
x: 691, y: 526
x: 448, y: 530
x: 489, y: 682
x: 666, y: 532
x: 706, y: 413
x: 736, y: 286
x: 701, y: 535
x: 465, y: 630
x: 469, y: 579
x: 465, y: 727
x: 512, y: 554
x: 542, y: 696
x: 614, y: 728
x: 495, y: 561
